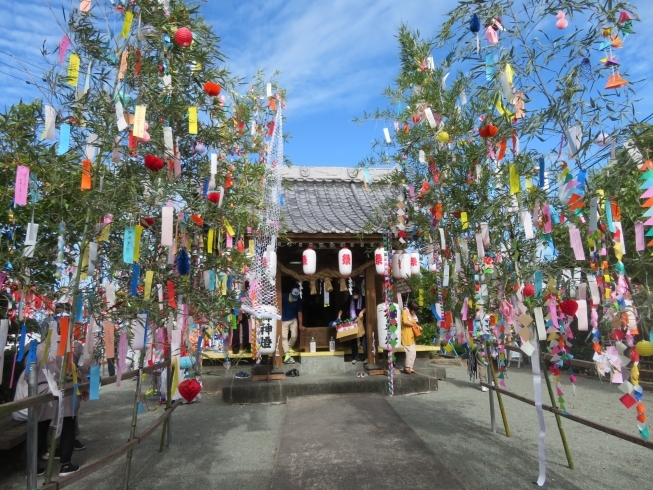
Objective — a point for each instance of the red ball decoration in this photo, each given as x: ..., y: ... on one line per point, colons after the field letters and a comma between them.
x: 212, y: 89
x: 154, y: 163
x: 183, y: 37
x: 189, y: 389
x: 147, y: 222
x: 569, y: 307
x: 213, y: 196
x: 529, y: 291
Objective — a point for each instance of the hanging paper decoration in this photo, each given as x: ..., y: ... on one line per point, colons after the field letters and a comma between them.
x: 309, y: 261
x: 345, y: 262
x: 475, y: 27
x: 212, y: 89
x: 562, y: 23
x: 153, y: 163
x: 183, y: 262
x: 184, y: 37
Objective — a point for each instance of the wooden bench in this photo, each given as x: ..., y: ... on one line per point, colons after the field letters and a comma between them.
x: 12, y: 432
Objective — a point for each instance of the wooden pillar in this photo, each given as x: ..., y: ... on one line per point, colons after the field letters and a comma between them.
x: 370, y: 309
x: 278, y: 360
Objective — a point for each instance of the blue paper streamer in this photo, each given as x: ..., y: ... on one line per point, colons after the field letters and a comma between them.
x: 95, y: 383
x: 128, y: 245
x: 580, y: 188
x: 64, y: 139
x: 608, y: 215
x: 212, y: 280
x: 147, y: 324
x: 31, y: 356
x: 136, y: 272
x: 435, y: 313
x: 199, y: 349
x: 489, y: 67
x: 282, y: 201
x: 555, y: 217
x: 21, y: 343
x: 538, y: 284
x: 205, y: 188
x: 79, y: 309
x: 541, y: 172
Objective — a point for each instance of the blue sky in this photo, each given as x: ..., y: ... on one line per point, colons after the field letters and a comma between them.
x: 335, y: 59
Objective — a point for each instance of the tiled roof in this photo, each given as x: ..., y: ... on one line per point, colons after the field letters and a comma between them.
x: 330, y: 199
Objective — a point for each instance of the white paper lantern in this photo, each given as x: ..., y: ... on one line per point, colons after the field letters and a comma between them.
x: 395, y: 264
x: 404, y: 265
x: 378, y: 260
x: 309, y: 261
x: 344, y: 262
x: 414, y: 264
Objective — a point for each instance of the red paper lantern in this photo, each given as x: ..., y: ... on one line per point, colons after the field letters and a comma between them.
x: 569, y: 307
x: 183, y: 37
x: 197, y: 219
x: 212, y: 89
x: 213, y: 196
x: 147, y: 222
x: 529, y: 291
x: 189, y: 389
x: 153, y: 163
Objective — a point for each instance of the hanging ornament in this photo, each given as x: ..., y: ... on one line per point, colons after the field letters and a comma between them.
x: 585, y: 69
x: 270, y: 263
x: 529, y: 291
x: 475, y: 27
x: 309, y: 261
x: 562, y: 23
x: 200, y: 149
x: 212, y: 89
x: 184, y: 37
x: 344, y: 262
x: 213, y: 196
x: 147, y: 222
x: 197, y: 219
x: 616, y: 81
x: 153, y: 163
x: 443, y: 137
x: 378, y: 260
x: 183, y: 262
x: 488, y: 131
x: 602, y: 139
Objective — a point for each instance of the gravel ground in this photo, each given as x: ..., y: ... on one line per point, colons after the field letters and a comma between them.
x: 455, y: 423
x: 234, y: 446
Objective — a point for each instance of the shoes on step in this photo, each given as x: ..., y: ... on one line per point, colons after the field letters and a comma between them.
x: 46, y: 455
x: 68, y: 469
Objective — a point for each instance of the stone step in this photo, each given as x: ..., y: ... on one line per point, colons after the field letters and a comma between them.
x: 235, y: 390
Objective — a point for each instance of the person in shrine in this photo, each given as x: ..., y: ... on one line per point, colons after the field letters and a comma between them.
x: 241, y: 336
x: 354, y: 309
x: 291, y: 320
x: 409, y: 326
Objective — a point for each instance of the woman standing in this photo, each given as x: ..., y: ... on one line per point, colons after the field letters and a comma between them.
x: 409, y: 327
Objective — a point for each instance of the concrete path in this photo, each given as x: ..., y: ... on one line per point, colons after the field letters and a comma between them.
x: 353, y: 442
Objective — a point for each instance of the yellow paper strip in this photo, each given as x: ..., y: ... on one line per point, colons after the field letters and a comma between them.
x: 175, y: 375
x: 607, y: 278
x: 528, y: 183
x: 209, y: 241
x: 104, y: 235
x: 251, y: 247
x: 149, y: 276
x: 138, y: 231
x: 192, y: 120
x: 127, y: 24
x: 608, y: 293
x: 46, y: 350
x: 514, y: 179
x: 73, y: 70
x: 223, y: 284
x: 229, y: 229
x: 463, y: 219
x: 420, y: 299
x: 139, y: 121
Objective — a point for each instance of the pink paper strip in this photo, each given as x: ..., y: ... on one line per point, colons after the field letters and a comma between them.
x: 639, y: 236
x: 576, y: 243
x: 546, y: 213
x: 63, y: 48
x: 465, y: 308
x: 554, y: 313
x: 647, y: 194
x: 122, y: 355
x: 22, y: 182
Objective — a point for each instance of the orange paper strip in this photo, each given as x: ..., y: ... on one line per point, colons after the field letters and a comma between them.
x: 63, y: 335
x: 86, y: 175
